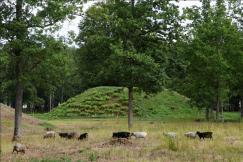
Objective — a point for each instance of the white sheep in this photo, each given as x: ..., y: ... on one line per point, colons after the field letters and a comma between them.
x: 19, y: 148
x: 139, y: 134
x: 191, y: 134
x: 49, y: 134
x: 170, y: 134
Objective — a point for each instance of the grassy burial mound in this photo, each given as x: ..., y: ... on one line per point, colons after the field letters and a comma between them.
x: 29, y: 127
x: 112, y: 101
x: 7, y: 121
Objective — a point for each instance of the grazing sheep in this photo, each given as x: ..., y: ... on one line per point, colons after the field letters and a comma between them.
x: 49, y: 134
x: 191, y: 134
x: 205, y: 135
x: 121, y: 135
x: 19, y: 148
x: 72, y: 135
x: 170, y: 134
x: 68, y: 135
x: 139, y: 134
x: 63, y: 135
x: 83, y: 136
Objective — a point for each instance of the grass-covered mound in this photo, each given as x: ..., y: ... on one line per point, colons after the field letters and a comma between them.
x: 7, y: 121
x: 112, y: 101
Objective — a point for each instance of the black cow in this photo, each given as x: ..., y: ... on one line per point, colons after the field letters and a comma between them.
x: 83, y: 136
x: 203, y: 135
x: 121, y: 135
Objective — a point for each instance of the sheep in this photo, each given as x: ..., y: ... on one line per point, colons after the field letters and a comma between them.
x: 19, y: 148
x: 83, y: 136
x: 63, y: 135
x: 203, y: 135
x: 72, y: 135
x: 170, y: 134
x: 68, y: 135
x: 191, y: 134
x: 139, y: 134
x: 49, y: 134
x: 121, y: 135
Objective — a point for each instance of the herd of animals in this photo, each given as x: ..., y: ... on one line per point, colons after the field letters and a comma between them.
x: 118, y: 135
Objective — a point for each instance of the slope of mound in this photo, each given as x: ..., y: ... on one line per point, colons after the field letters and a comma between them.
x: 99, y: 101
x: 7, y: 120
x: 112, y: 101
x: 167, y: 105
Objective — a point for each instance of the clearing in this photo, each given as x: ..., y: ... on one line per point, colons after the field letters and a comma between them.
x: 227, y: 143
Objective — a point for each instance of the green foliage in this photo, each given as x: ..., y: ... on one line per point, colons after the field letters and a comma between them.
x: 212, y: 52
x: 29, y: 54
x: 123, y: 48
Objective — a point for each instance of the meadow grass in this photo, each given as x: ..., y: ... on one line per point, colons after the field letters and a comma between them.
x: 227, y: 143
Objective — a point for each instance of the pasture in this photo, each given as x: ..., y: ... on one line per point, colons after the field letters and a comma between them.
x: 227, y: 143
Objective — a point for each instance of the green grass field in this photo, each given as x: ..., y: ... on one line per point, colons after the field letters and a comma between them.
x: 227, y: 143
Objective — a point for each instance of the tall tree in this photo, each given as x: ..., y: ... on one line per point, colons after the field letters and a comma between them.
x: 214, y: 48
x: 124, y: 48
x: 24, y: 25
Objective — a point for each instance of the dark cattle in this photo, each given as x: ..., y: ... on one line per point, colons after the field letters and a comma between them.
x: 63, y: 135
x: 83, y: 136
x: 121, y: 135
x: 69, y: 135
x: 203, y: 135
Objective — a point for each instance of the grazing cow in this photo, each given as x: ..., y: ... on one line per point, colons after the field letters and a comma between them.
x: 170, y: 134
x: 83, y: 136
x: 139, y: 134
x: 121, y: 135
x: 203, y: 135
x: 191, y: 134
x: 19, y: 148
x: 49, y: 134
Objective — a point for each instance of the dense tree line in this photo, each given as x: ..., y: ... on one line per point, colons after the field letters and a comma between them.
x: 143, y: 44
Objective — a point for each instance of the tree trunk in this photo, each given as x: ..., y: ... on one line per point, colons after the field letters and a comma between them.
x: 217, y: 108
x: 222, y: 112
x: 18, y: 110
x: 241, y: 107
x: 130, y: 106
x: 18, y: 70
x: 207, y: 114
x: 50, y: 102
x: 132, y: 6
x: 62, y: 95
x: 217, y: 100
